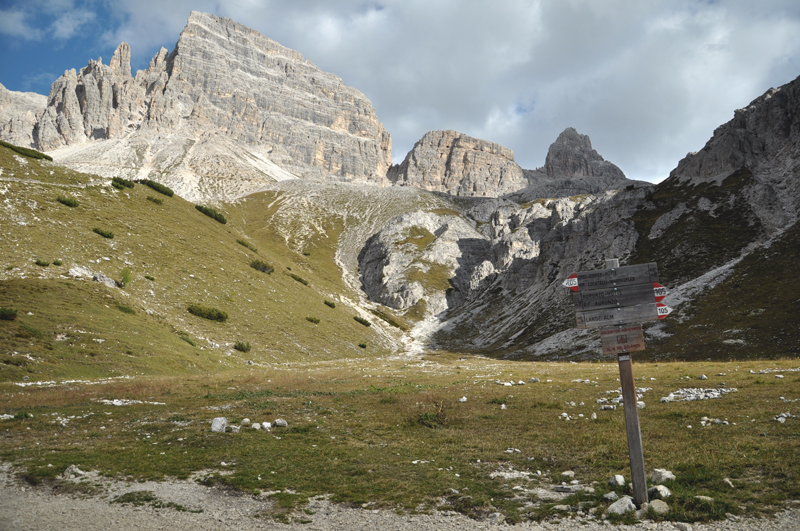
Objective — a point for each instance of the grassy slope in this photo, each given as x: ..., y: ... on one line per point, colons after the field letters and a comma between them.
x: 192, y: 258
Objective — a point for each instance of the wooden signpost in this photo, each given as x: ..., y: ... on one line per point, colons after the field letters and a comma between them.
x: 617, y: 300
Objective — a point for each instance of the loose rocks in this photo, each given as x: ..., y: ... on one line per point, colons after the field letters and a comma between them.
x: 659, y: 492
x: 219, y: 424
x: 280, y: 423
x: 617, y: 481
x: 662, y: 475
x: 621, y: 506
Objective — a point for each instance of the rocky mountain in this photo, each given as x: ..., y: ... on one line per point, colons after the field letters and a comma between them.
x: 18, y: 111
x: 223, y: 113
x: 572, y: 167
x: 457, y: 164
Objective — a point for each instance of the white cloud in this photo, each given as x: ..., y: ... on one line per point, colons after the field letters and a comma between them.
x: 13, y: 24
x: 68, y: 24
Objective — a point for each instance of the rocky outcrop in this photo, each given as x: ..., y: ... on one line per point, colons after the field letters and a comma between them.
x: 451, y: 162
x: 573, y: 167
x: 224, y: 87
x: 18, y: 111
x: 764, y: 139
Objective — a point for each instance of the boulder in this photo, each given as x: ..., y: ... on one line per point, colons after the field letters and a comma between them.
x: 662, y: 475
x: 280, y: 423
x: 617, y: 481
x: 659, y: 492
x: 245, y: 423
x: 660, y: 507
x: 219, y: 424
x: 622, y: 506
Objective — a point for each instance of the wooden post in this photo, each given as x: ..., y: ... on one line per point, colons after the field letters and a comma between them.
x: 635, y: 449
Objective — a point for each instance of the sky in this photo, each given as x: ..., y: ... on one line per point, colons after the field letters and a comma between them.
x: 647, y: 80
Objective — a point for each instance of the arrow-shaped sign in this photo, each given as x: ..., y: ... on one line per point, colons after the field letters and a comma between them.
x: 663, y: 310
x: 660, y: 291
x: 572, y: 282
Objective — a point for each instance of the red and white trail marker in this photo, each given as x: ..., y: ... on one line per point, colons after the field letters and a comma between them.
x: 660, y: 291
x: 572, y: 282
x: 663, y: 310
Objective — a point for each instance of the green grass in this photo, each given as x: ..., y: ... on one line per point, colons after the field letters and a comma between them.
x: 28, y: 152
x: 126, y: 309
x: 212, y: 314
x: 212, y: 213
x: 68, y: 201
x: 104, y: 233
x: 358, y: 427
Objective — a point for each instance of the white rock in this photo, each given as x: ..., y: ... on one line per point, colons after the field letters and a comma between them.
x: 502, y: 406
x: 266, y: 425
x: 462, y: 399
x: 662, y: 475
x: 617, y: 481
x: 594, y: 416
x: 534, y: 380
x: 660, y: 507
x: 622, y: 506
x: 659, y: 492
x: 235, y: 429
x: 245, y: 423
x: 703, y: 377
x: 568, y: 474
x: 611, y: 496
x: 72, y: 472
x: 280, y: 423
x: 256, y: 426
x: 219, y: 424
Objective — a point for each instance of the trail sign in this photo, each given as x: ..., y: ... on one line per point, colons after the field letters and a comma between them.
x: 617, y: 300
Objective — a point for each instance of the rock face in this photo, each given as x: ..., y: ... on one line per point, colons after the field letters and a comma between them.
x: 226, y: 104
x: 18, y: 111
x: 573, y: 167
x: 451, y: 162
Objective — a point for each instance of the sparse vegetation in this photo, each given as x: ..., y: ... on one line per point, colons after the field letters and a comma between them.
x: 312, y: 320
x: 331, y: 304
x: 300, y: 279
x: 151, y: 278
x: 242, y: 346
x: 155, y: 200
x: 68, y: 201
x: 7, y: 314
x: 125, y: 276
x: 362, y: 345
x: 126, y: 309
x: 212, y: 314
x: 57, y: 262
x: 42, y: 263
x: 158, y: 187
x: 104, y: 233
x: 187, y: 338
x: 264, y: 267
x: 212, y: 213
x: 32, y: 153
x: 389, y: 320
x: 247, y: 244
x: 362, y: 321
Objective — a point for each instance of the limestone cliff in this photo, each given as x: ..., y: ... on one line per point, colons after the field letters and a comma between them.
x: 224, y: 88
x: 18, y: 112
x: 451, y: 162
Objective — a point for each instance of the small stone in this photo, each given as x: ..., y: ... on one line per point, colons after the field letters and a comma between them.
x: 662, y: 475
x: 621, y: 506
x: 706, y: 499
x: 568, y: 474
x: 496, y: 518
x: 594, y: 416
x: 611, y: 496
x: 659, y: 492
x: 608, y: 407
x: 778, y: 376
x: 617, y: 481
x: 502, y: 406
x: 562, y: 508
x: 235, y: 429
x: 256, y: 426
x: 245, y: 423
x: 266, y: 425
x: 660, y: 507
x: 682, y: 526
x: 462, y: 399
x: 533, y: 380
x: 588, y: 490
x: 728, y: 482
x: 702, y: 377
x: 280, y: 423
x: 640, y: 405
x: 219, y: 424
x: 71, y: 472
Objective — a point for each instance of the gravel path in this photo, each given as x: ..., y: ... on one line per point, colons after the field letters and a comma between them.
x: 39, y: 509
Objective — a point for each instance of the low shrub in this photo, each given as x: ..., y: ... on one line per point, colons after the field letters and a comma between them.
x: 241, y: 346
x: 20, y: 415
x: 126, y: 309
x: 158, y: 187
x: 212, y: 314
x: 362, y: 321
x: 155, y: 200
x: 57, y: 262
x: 124, y: 183
x: 331, y: 304
x: 104, y: 233
x: 362, y: 345
x: 389, y: 320
x: 300, y: 279
x: 306, y: 253
x: 68, y: 201
x: 8, y: 314
x: 150, y: 278
x: 264, y: 267
x: 248, y: 245
x: 188, y: 339
x: 43, y: 263
x: 9, y: 268
x: 117, y: 185
x: 32, y: 153
x: 212, y: 213
x: 312, y: 320
x: 433, y: 419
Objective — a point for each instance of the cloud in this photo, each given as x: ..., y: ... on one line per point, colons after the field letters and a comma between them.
x: 67, y: 20
x: 70, y: 23
x: 13, y: 24
x: 648, y: 80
